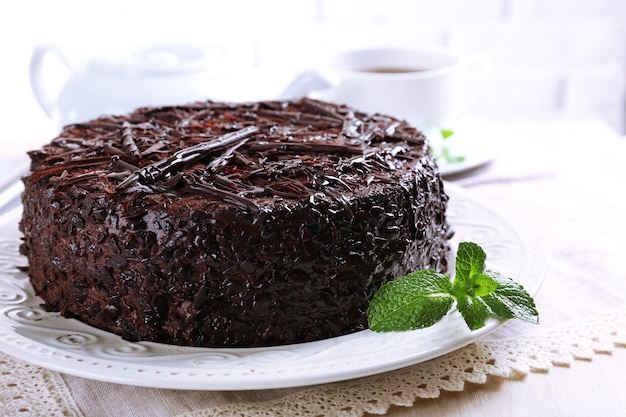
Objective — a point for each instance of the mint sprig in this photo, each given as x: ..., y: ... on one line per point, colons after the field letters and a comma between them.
x: 422, y: 298
x: 444, y: 153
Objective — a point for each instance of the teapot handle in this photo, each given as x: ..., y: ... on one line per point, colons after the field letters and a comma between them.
x: 37, y: 76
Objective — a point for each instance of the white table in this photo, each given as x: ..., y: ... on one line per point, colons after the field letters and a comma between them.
x: 564, y: 181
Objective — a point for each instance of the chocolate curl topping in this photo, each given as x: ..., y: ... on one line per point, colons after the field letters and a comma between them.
x: 184, y: 157
x: 225, y: 196
x: 295, y: 150
x: 312, y: 147
x: 128, y: 141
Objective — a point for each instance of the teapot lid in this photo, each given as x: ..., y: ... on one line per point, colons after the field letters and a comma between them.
x: 163, y: 58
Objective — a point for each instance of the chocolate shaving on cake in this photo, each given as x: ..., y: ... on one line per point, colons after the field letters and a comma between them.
x: 224, y: 196
x: 120, y: 165
x: 112, y: 150
x: 128, y: 141
x: 175, y: 163
x: 311, y: 147
x: 59, y: 168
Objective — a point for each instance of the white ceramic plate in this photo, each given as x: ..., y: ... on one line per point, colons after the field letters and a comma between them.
x: 30, y: 333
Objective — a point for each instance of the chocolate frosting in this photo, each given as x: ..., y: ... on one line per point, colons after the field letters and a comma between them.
x: 231, y: 224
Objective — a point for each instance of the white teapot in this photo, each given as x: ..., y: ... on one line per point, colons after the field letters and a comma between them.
x: 126, y: 79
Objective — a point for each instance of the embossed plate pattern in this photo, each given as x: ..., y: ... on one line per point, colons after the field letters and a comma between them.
x: 30, y: 333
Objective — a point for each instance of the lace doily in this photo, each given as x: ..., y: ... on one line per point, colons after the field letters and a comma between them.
x: 30, y: 391
x: 507, y: 358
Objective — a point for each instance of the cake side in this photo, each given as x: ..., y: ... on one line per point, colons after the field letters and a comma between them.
x: 279, y: 236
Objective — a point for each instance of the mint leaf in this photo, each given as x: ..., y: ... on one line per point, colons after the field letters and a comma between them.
x: 470, y: 279
x: 478, y: 285
x: 449, y: 158
x: 424, y: 297
x: 446, y: 133
x: 474, y: 311
x: 480, y: 293
x: 470, y: 260
x: 444, y: 153
x: 511, y: 301
x: 415, y: 301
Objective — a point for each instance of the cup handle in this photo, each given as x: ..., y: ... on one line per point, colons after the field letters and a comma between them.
x: 37, y: 76
x: 308, y: 82
x: 478, y: 72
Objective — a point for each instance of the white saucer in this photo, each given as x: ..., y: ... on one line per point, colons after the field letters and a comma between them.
x: 474, y: 142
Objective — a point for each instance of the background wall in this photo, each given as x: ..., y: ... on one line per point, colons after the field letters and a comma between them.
x: 563, y: 58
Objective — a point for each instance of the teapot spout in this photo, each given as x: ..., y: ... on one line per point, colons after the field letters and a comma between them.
x: 308, y: 82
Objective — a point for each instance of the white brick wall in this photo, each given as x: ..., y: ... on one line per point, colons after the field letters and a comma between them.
x: 560, y: 8
x: 552, y: 57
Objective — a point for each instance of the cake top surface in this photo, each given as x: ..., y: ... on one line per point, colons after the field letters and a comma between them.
x: 246, y: 154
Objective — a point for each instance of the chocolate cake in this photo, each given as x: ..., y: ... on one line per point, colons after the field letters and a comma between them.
x: 230, y: 225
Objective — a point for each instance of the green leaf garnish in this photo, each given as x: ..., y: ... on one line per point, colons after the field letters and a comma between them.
x: 414, y: 301
x: 449, y: 158
x: 446, y: 133
x: 511, y: 301
x: 444, y: 153
x: 424, y: 297
x: 470, y: 261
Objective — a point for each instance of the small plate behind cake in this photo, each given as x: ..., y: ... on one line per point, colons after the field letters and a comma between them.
x: 473, y: 144
x: 30, y: 333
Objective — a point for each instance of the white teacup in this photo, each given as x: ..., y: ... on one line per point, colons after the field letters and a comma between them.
x: 428, y: 87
